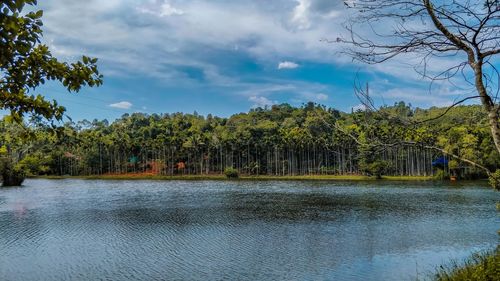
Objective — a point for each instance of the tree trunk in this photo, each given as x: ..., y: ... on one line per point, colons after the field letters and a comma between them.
x: 488, y: 104
x: 475, y: 60
x: 12, y: 180
x: 494, y: 117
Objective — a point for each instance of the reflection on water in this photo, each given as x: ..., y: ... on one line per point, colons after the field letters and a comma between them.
x: 152, y: 230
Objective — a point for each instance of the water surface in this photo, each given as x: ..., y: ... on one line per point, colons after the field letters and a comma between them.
x: 209, y: 230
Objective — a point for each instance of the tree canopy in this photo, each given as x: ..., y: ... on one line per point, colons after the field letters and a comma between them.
x: 467, y: 31
x: 26, y: 63
x: 280, y: 140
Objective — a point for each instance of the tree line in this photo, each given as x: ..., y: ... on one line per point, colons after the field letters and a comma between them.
x: 281, y: 140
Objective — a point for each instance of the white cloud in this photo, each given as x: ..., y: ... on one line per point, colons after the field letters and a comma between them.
x: 267, y: 89
x: 145, y: 44
x: 307, y: 13
x: 358, y: 107
x: 164, y: 10
x: 287, y: 65
x: 168, y: 10
x: 261, y: 30
x: 321, y: 97
x: 122, y: 105
x: 314, y: 97
x: 261, y: 101
x: 300, y: 15
x: 157, y: 45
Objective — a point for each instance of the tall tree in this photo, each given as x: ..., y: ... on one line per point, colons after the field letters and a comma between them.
x: 25, y: 64
x: 466, y: 30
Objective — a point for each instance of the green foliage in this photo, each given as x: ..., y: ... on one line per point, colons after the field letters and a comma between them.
x: 441, y: 175
x: 281, y: 140
x: 12, y: 175
x: 35, y: 164
x: 495, y: 180
x: 376, y: 168
x: 453, y: 164
x: 231, y: 173
x: 480, y: 267
x: 25, y: 64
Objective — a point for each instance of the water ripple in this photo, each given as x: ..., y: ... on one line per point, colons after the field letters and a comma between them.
x: 145, y: 230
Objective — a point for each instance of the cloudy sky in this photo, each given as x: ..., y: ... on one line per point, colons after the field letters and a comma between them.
x: 217, y: 56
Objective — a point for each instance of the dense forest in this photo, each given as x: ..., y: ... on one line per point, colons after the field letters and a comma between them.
x: 280, y: 140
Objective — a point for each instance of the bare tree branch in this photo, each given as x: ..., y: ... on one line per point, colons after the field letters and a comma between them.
x: 430, y: 30
x: 447, y: 110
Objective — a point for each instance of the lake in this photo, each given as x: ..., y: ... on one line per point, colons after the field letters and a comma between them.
x: 242, y: 230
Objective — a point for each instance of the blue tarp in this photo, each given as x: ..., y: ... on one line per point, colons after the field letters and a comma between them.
x: 441, y: 161
x: 133, y: 160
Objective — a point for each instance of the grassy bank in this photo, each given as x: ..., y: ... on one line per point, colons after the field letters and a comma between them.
x: 480, y: 267
x: 255, y: 178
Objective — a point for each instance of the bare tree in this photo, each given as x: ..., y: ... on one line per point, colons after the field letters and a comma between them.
x: 465, y: 30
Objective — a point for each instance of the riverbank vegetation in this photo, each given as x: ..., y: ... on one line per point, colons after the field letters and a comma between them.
x: 480, y: 267
x: 279, y: 141
x: 25, y: 65
x: 243, y: 178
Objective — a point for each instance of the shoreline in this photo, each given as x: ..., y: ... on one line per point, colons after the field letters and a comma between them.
x: 241, y: 178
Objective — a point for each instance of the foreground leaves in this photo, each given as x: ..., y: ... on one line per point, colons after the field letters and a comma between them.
x: 25, y: 64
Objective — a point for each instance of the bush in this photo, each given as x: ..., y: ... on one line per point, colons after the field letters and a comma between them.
x: 231, y: 173
x: 377, y: 168
x: 12, y: 175
x: 495, y: 180
x: 441, y: 175
x: 479, y: 267
x: 35, y: 164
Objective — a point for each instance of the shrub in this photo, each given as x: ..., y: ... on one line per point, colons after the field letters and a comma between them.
x: 495, y: 180
x: 376, y: 168
x: 35, y: 164
x: 478, y: 267
x: 441, y: 175
x: 12, y: 175
x: 231, y: 173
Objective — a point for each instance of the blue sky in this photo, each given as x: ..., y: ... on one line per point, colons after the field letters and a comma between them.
x: 218, y: 56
